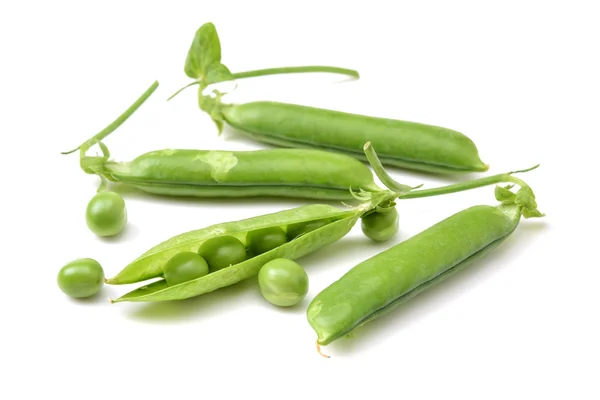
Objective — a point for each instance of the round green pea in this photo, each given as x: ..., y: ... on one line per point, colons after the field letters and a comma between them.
x: 283, y: 282
x: 183, y: 267
x: 295, y: 230
x: 263, y: 240
x: 381, y: 225
x: 222, y: 252
x: 83, y: 277
x: 106, y: 214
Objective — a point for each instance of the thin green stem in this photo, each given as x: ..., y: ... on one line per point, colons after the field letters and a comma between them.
x: 406, y: 192
x: 382, y: 174
x: 183, y: 88
x: 281, y: 70
x: 459, y: 187
x: 117, y: 122
x: 296, y: 70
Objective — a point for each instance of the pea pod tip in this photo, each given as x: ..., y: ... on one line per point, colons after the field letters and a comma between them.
x: 319, y: 350
x: 110, y: 281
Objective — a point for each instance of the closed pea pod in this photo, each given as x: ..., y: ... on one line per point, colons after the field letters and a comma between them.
x: 308, y: 173
x: 384, y: 281
x: 400, y: 143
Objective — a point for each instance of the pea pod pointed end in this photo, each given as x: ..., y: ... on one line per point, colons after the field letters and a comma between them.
x: 320, y: 352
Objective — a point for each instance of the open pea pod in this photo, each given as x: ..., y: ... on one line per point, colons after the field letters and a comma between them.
x: 149, y: 265
x: 303, y: 245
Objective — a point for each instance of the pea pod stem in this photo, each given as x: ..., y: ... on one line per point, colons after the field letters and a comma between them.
x: 117, y: 122
x: 295, y: 70
x: 407, y: 192
x: 476, y: 183
x: 278, y: 71
x: 382, y: 174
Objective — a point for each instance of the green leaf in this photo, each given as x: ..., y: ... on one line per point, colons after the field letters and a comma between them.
x: 532, y: 213
x: 217, y: 72
x: 525, y: 198
x: 204, y: 51
x: 504, y: 195
x: 92, y: 164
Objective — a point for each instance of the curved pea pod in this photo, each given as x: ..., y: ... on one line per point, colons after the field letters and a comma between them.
x: 305, y: 173
x: 399, y: 143
x: 381, y: 283
x: 149, y: 265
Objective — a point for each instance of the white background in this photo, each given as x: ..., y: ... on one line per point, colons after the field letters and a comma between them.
x: 520, y: 78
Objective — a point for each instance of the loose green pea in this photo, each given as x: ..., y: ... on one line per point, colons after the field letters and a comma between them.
x: 83, y: 277
x: 106, y: 214
x: 222, y: 252
x: 381, y: 225
x: 295, y: 230
x: 263, y: 240
x: 184, y: 267
x: 283, y: 282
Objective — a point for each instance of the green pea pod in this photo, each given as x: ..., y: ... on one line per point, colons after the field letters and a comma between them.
x: 402, y: 144
x: 381, y: 283
x: 310, y: 174
x: 149, y: 265
x: 336, y: 223
x: 399, y: 143
x: 305, y: 244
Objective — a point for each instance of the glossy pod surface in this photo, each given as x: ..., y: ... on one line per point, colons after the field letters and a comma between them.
x: 303, y: 173
x: 377, y: 283
x: 399, y: 143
